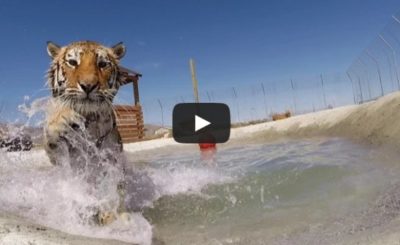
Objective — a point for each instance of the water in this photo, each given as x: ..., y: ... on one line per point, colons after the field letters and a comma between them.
x: 59, y: 198
x: 286, y: 192
x: 265, y: 193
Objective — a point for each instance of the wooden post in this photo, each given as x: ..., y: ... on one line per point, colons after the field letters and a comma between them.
x: 194, y: 80
x: 207, y: 149
x: 136, y: 92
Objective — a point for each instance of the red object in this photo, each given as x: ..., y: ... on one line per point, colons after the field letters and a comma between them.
x: 207, y: 146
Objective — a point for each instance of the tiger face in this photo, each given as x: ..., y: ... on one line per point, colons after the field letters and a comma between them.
x: 85, y: 74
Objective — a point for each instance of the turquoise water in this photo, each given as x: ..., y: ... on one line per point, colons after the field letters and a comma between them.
x: 265, y: 193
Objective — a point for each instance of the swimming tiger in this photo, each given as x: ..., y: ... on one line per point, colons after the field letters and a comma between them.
x: 81, y: 124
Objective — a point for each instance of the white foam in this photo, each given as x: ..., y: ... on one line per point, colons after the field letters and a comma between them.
x: 181, y: 179
x: 56, y: 198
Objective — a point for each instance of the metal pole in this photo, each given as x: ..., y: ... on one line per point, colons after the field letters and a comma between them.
x: 368, y: 80
x: 323, y: 90
x: 294, y: 97
x: 394, y: 59
x: 352, y: 87
x: 361, y: 94
x: 162, y: 112
x: 391, y: 72
x: 378, y: 69
x: 265, y: 101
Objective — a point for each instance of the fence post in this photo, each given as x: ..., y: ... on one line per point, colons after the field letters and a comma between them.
x: 194, y: 80
x: 323, y: 90
x: 162, y: 112
x: 265, y: 100
x: 361, y: 93
x: 352, y: 87
x: 368, y: 80
x: 294, y: 97
x: 394, y: 59
x: 378, y: 69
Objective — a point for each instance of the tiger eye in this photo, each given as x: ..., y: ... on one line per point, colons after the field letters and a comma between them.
x: 72, y: 62
x: 102, y: 64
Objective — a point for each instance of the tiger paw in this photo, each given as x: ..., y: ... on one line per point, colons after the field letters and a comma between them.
x: 62, y: 119
x: 105, y: 217
x: 62, y: 123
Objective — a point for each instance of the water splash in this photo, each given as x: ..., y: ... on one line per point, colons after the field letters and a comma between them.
x: 34, y: 110
x: 60, y: 197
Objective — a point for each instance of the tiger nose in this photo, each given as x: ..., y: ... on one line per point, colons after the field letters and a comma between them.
x: 88, y: 88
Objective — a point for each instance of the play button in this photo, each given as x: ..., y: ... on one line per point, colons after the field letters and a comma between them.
x: 201, y: 123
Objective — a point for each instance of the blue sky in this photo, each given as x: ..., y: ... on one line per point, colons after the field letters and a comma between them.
x: 233, y: 42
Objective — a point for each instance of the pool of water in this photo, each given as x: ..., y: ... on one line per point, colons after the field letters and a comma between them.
x: 298, y: 191
x: 304, y: 191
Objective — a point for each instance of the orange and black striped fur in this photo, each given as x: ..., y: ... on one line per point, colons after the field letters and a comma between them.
x: 81, y: 124
x: 83, y: 78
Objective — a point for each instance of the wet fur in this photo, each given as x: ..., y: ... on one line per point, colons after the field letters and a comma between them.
x: 71, y: 108
x: 81, y: 129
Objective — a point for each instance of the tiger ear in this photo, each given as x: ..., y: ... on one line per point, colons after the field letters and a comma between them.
x: 53, y: 49
x: 119, y: 50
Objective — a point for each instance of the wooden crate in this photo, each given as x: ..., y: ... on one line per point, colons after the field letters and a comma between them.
x: 130, y: 122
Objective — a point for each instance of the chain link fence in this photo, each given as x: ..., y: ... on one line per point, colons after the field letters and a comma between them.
x: 375, y: 72
x: 259, y: 101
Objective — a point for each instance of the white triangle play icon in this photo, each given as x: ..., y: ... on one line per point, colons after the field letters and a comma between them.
x: 200, y: 123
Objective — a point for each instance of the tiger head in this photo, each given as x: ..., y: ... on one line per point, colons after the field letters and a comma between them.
x: 84, y: 74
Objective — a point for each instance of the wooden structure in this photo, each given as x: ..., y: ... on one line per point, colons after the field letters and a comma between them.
x: 280, y: 116
x: 130, y: 117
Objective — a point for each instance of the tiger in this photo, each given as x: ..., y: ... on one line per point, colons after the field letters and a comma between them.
x: 83, y: 79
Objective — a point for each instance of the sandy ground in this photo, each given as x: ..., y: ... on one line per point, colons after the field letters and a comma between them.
x: 374, y: 123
